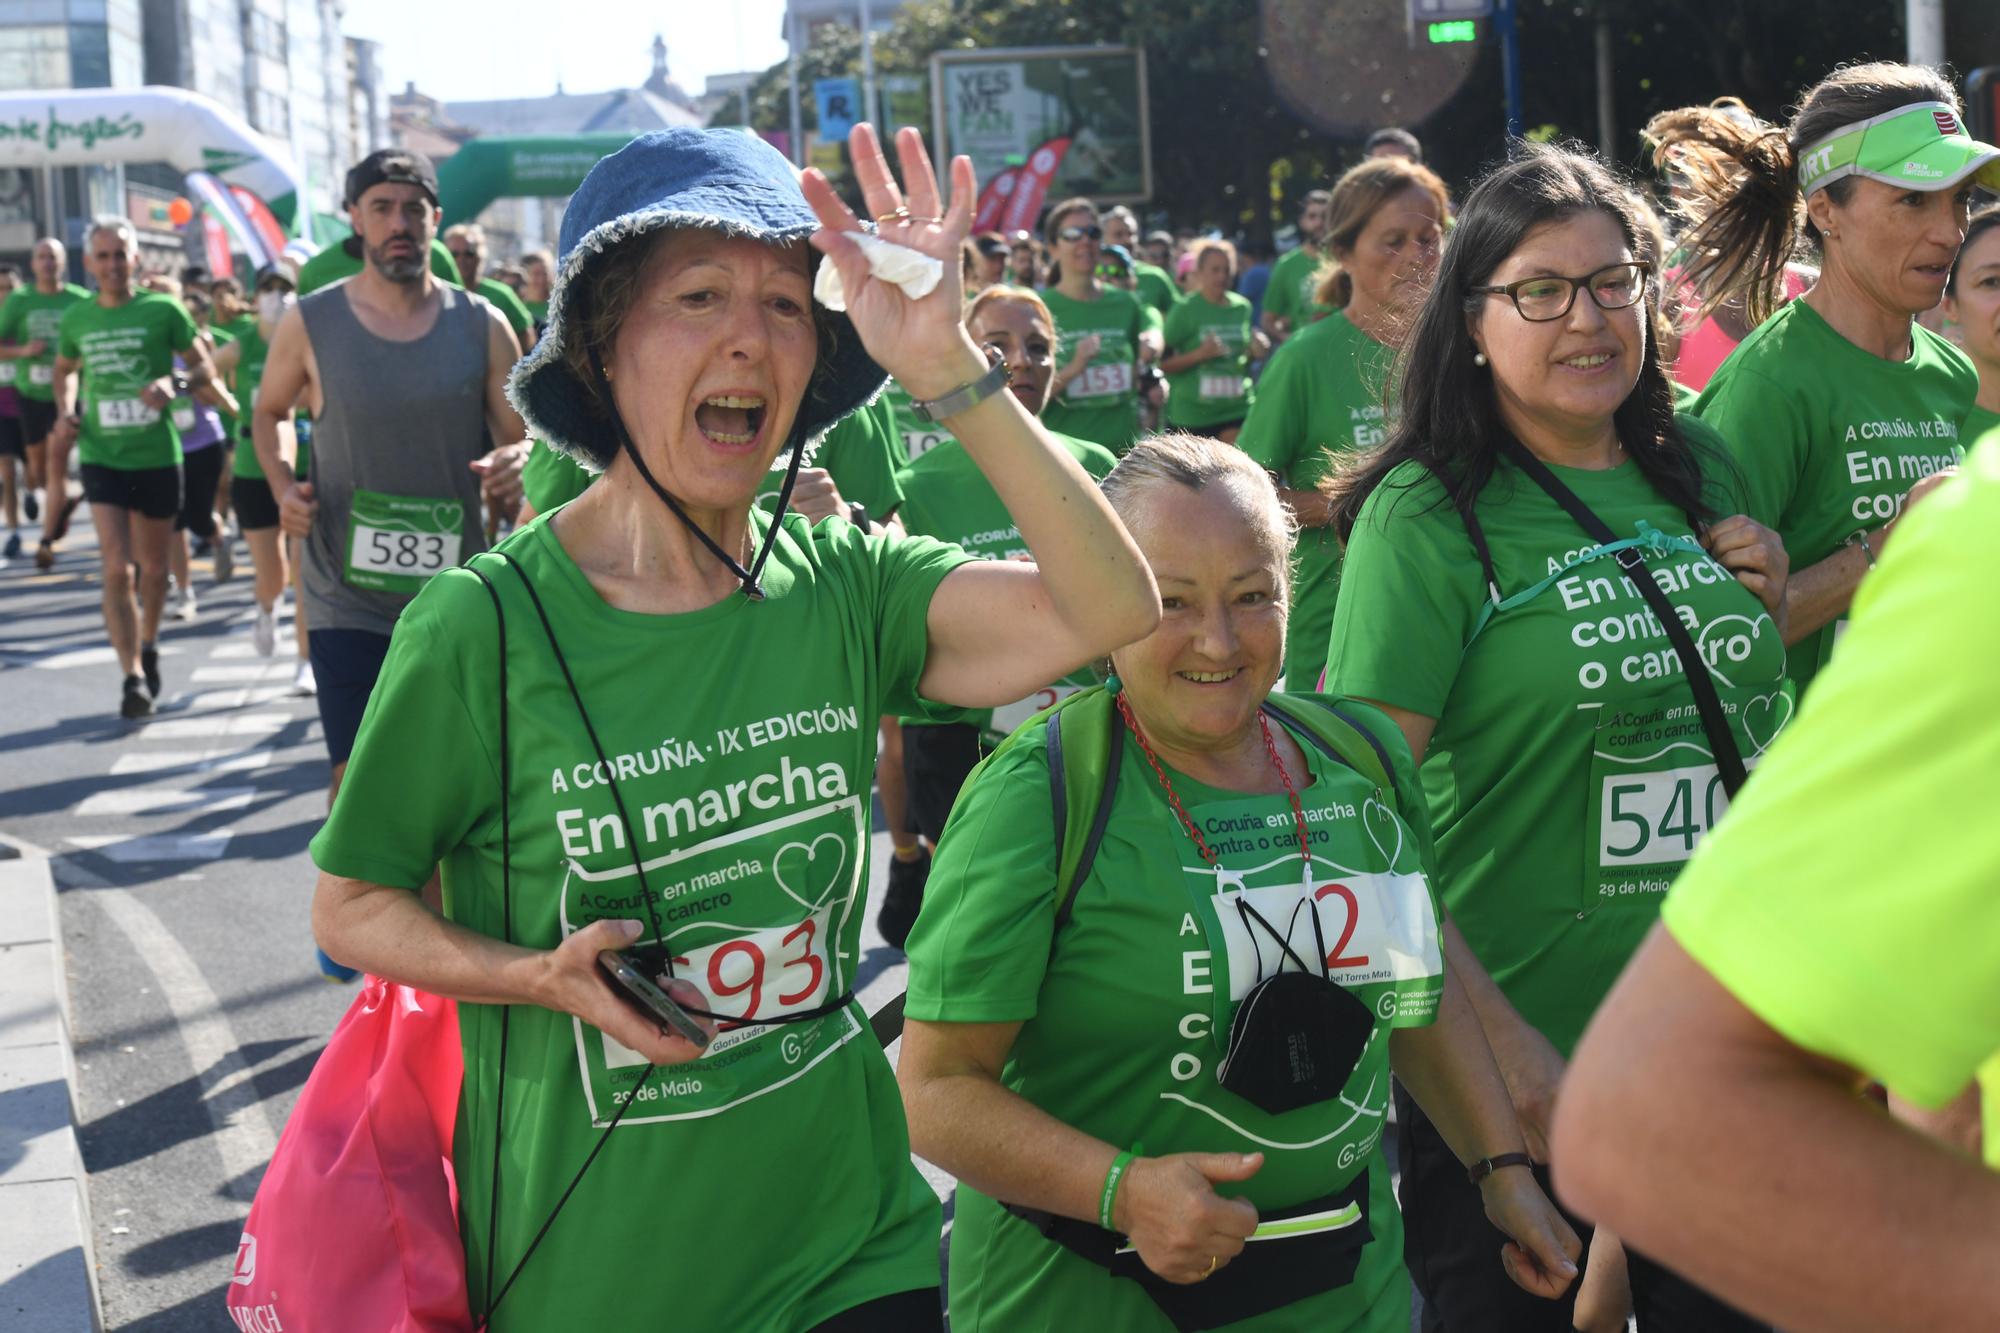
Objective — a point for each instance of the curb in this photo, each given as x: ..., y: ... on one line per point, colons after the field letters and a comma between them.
x: 48, y: 1270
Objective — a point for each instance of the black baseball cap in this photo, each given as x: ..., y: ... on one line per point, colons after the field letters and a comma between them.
x: 393, y: 166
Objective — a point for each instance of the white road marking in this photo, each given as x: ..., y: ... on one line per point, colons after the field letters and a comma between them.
x: 126, y: 850
x: 194, y: 728
x: 151, y: 761
x: 243, y: 1137
x: 251, y: 672
x: 163, y: 800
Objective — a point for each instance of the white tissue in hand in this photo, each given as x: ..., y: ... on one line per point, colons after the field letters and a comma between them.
x: 912, y: 270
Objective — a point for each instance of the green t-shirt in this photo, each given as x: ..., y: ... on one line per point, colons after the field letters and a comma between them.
x: 1830, y: 438
x: 539, y: 309
x: 1122, y: 1025
x: 946, y: 496
x: 1321, y: 396
x: 123, y: 349
x: 862, y: 452
x: 1156, y: 288
x: 508, y: 304
x: 1848, y: 901
x: 1292, y: 293
x: 32, y: 316
x: 334, y: 263
x: 252, y: 352
x: 1977, y: 422
x: 551, y: 478
x: 1214, y: 392
x: 1101, y: 404
x: 916, y: 436
x: 747, y: 789
x: 1569, y: 776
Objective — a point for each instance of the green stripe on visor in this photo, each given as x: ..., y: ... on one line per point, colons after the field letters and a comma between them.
x: 1918, y: 147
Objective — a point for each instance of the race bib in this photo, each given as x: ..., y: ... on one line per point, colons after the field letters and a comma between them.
x: 917, y: 443
x: 1220, y: 388
x: 40, y: 374
x: 8, y: 372
x: 398, y: 542
x: 1101, y: 380
x: 1365, y: 929
x: 183, y: 416
x: 125, y: 413
x: 763, y: 975
x: 1655, y: 791
x: 1007, y: 717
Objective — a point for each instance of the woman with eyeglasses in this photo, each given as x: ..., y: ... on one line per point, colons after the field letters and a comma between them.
x: 1103, y: 335
x: 1551, y: 589
x: 1842, y: 409
x: 1323, y: 393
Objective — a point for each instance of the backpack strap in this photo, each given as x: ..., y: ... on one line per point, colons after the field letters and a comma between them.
x: 1332, y: 731
x: 1102, y: 748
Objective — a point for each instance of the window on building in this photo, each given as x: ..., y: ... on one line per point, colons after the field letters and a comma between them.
x: 89, y: 55
x: 265, y: 35
x: 33, y: 58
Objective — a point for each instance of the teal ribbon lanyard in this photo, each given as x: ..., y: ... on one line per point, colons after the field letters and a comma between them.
x: 1650, y: 541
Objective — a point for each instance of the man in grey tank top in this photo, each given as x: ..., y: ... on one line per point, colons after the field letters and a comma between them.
x: 405, y: 378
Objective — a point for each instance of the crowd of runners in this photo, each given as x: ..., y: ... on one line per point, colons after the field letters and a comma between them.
x: 1276, y: 675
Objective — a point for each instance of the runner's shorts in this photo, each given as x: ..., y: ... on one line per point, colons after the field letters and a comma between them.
x: 152, y: 491
x: 201, y: 472
x: 12, y: 443
x: 255, y: 506
x: 37, y: 420
x: 345, y: 663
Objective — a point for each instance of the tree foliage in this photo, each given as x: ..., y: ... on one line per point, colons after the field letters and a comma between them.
x: 1228, y: 152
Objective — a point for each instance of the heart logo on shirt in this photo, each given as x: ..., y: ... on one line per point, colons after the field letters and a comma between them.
x: 809, y: 871
x: 1764, y: 717
x: 444, y: 516
x: 1384, y: 829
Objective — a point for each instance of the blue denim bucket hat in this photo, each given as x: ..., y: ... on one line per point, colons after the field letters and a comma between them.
x: 721, y: 180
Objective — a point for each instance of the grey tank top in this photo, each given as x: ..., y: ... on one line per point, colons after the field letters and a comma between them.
x: 401, y: 422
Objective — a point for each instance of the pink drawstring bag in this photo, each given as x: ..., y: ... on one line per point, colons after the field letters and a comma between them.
x: 355, y: 1225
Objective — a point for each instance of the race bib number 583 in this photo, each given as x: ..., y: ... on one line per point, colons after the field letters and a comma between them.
x: 398, y: 542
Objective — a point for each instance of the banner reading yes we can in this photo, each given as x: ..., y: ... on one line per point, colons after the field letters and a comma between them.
x: 999, y: 107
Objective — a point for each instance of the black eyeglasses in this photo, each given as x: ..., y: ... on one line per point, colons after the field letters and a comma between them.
x: 1539, y: 300
x: 1093, y: 232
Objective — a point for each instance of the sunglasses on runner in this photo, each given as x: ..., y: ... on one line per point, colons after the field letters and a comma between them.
x: 1073, y: 233
x: 1539, y: 300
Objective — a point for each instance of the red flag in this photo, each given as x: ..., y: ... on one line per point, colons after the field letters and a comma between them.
x: 260, y: 218
x: 215, y: 239
x: 993, y: 199
x: 1025, y: 201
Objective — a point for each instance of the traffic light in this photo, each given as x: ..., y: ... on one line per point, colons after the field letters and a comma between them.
x: 1452, y: 30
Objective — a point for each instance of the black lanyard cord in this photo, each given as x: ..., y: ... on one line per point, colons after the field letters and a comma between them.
x: 1722, y: 745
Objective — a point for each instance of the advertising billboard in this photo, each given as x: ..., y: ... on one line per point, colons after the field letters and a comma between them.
x: 1001, y: 108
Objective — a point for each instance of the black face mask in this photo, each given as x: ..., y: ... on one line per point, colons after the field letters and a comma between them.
x: 1297, y: 1036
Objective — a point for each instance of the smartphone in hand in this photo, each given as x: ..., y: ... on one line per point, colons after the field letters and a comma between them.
x: 638, y: 990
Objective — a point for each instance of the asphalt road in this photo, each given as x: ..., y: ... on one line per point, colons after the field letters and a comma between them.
x: 179, y: 851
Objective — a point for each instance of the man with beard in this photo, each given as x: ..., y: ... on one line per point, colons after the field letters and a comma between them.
x: 405, y: 377
x: 1290, y: 302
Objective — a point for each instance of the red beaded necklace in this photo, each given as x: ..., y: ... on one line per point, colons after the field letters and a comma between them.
x: 1174, y: 800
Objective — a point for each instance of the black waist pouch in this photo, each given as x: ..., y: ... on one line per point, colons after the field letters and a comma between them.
x: 1268, y: 1275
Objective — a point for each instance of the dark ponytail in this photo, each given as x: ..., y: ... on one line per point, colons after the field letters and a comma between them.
x: 1747, y: 218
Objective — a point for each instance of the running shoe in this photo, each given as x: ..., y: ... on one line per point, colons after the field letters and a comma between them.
x: 45, y: 557
x: 13, y: 548
x: 302, y: 681
x: 149, y: 662
x: 136, y: 703
x: 264, y: 633
x: 31, y: 506
x: 184, y: 604
x: 332, y: 971
x: 905, y: 896
x: 225, y: 559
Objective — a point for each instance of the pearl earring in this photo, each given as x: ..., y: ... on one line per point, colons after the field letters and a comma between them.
x: 1479, y: 358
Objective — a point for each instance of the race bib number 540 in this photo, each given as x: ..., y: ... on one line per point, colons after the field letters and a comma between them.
x: 398, y: 542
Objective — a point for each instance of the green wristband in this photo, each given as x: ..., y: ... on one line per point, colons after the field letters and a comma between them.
x: 1119, y: 1165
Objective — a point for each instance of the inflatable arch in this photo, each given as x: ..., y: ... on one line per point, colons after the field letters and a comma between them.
x: 543, y: 166
x: 107, y: 126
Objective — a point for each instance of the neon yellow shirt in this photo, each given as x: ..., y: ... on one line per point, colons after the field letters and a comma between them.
x: 1848, y: 899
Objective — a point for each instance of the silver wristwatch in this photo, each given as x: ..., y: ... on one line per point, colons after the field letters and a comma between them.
x: 966, y: 396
